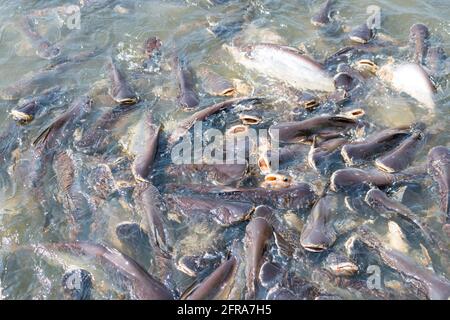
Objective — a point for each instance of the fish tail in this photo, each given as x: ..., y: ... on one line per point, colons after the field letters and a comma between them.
x: 43, y: 136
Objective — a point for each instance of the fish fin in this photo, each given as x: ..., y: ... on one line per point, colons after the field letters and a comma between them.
x: 5, y: 180
x: 42, y: 138
x: 284, y: 247
x: 190, y: 289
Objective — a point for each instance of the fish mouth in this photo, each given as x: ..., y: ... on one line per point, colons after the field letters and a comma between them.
x: 355, y: 113
x: 344, y: 269
x: 276, y: 181
x: 310, y: 104
x: 237, y: 130
x: 127, y: 101
x: 315, y: 247
x: 367, y: 65
x: 21, y: 117
x: 264, y: 164
x: 228, y: 92
x: 249, y: 120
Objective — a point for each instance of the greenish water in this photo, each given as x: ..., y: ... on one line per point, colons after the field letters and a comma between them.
x: 182, y: 26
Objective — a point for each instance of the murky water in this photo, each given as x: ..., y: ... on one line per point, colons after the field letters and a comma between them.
x: 120, y: 29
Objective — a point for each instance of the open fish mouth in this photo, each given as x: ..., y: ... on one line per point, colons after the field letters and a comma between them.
x: 344, y: 269
x: 21, y: 117
x: 127, y: 101
x: 277, y: 181
x: 366, y: 65
x: 249, y: 120
x: 315, y: 247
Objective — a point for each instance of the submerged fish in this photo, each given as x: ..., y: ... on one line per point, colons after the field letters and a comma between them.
x: 214, y: 84
x: 284, y: 64
x: 145, y: 286
x: 77, y: 284
x: 439, y: 170
x: 412, y: 79
x: 145, y: 149
x: 187, y: 97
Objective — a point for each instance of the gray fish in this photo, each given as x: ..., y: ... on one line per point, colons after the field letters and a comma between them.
x: 37, y: 81
x: 96, y: 138
x: 77, y: 284
x: 145, y: 286
x: 270, y: 274
x: 318, y: 233
x: 404, y: 154
x: 214, y: 84
x: 120, y: 90
x: 325, y: 126
x: 60, y: 129
x: 257, y: 233
x: 378, y: 200
x: 322, y: 17
x: 361, y: 34
x: 217, y: 285
x: 74, y: 201
x: 299, y: 196
x: 143, y: 162
x: 27, y: 110
x: 435, y: 286
x: 353, y: 178
x: 151, y: 204
x: 419, y: 36
x: 204, y: 113
x: 436, y: 59
x: 224, y: 212
x: 373, y: 146
x: 439, y: 170
x: 44, y: 49
x: 135, y: 241
x: 322, y: 157
x: 187, y: 97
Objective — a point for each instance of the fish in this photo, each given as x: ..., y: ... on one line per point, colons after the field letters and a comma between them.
x: 135, y: 242
x: 404, y: 154
x: 281, y: 156
x: 44, y: 49
x: 374, y: 145
x: 216, y: 286
x: 297, y: 197
x: 318, y: 233
x: 224, y: 212
x: 10, y: 139
x: 221, y: 174
x: 187, y: 97
x: 361, y: 33
x: 436, y: 60
x: 26, y: 111
x: 77, y: 284
x: 60, y: 129
x: 379, y: 200
x: 257, y: 233
x: 46, y: 77
x: 324, y: 157
x: 120, y: 90
x: 436, y: 287
x: 438, y: 164
x: 214, y: 84
x: 354, y: 178
x: 145, y: 150
x: 152, y: 53
x: 74, y: 201
x: 324, y: 126
x: 96, y: 138
x: 270, y: 274
x: 418, y: 37
x: 411, y: 79
x: 277, y: 181
x: 322, y: 17
x: 144, y: 286
x: 201, y: 115
x: 284, y: 64
x: 152, y: 206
